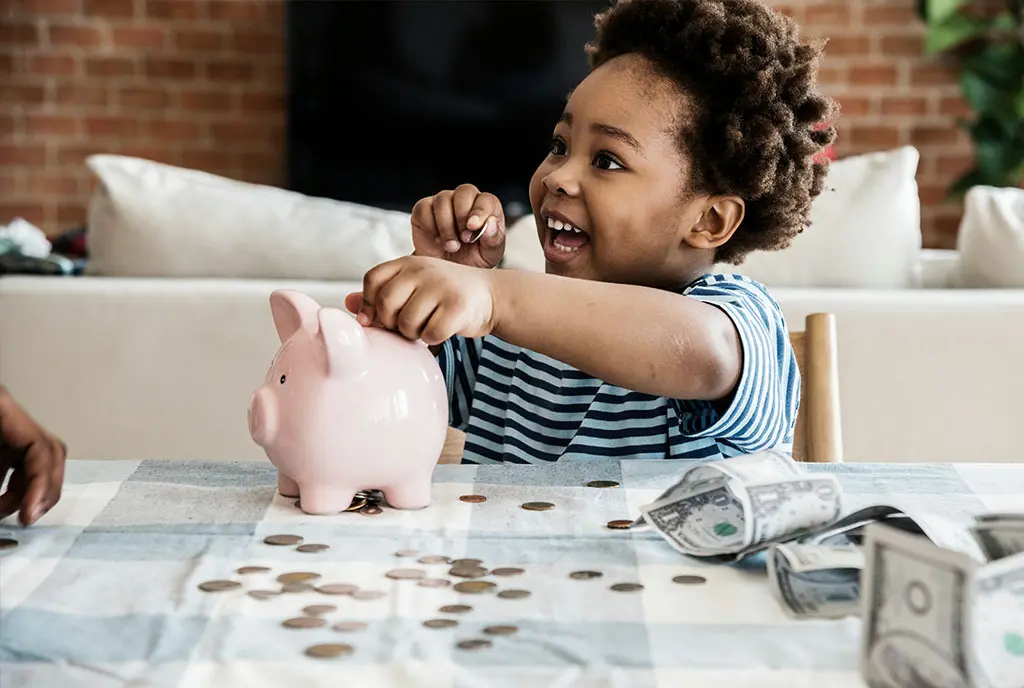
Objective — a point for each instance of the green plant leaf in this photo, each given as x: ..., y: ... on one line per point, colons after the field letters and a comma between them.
x: 938, y: 10
x: 962, y: 185
x: 952, y: 31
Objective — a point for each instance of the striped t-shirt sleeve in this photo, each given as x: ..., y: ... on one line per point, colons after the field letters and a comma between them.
x: 762, y: 412
x: 459, y: 359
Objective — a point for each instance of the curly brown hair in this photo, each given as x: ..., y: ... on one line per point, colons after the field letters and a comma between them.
x: 758, y: 121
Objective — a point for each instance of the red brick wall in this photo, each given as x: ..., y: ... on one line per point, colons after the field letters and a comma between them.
x: 200, y: 83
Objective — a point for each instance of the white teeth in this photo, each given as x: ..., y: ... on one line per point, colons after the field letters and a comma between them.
x: 562, y: 226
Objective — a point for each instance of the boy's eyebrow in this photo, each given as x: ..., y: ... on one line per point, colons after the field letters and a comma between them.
x: 607, y: 130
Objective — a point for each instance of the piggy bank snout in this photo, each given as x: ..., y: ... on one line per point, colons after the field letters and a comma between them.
x: 262, y: 417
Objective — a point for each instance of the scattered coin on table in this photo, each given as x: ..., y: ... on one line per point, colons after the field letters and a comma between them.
x: 440, y: 623
x: 514, y: 594
x: 602, y: 483
x: 357, y: 504
x: 538, y: 506
x: 219, y: 585
x: 350, y: 626
x: 506, y: 571
x: 298, y: 577
x: 434, y: 559
x: 8, y: 543
x: 471, y: 563
x: 296, y: 587
x: 406, y: 553
x: 304, y: 622
x: 620, y: 524
x: 405, y: 574
x: 474, y: 644
x: 329, y: 650
x: 434, y: 583
x: 312, y: 548
x: 245, y: 570
x: 585, y: 575
x: 371, y: 511
x: 337, y: 588
x: 282, y: 540
x: 501, y: 630
x: 627, y: 587
x: 319, y: 609
x: 455, y: 609
x: 368, y: 594
x: 467, y: 571
x: 474, y: 587
x: 689, y: 580
x: 263, y: 594
x: 473, y: 498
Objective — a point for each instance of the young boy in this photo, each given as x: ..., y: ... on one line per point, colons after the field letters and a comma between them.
x: 692, y: 141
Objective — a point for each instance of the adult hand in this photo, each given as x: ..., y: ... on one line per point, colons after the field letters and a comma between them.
x: 35, y: 459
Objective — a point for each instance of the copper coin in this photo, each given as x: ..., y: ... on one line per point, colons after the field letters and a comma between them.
x: 371, y: 511
x: 319, y: 609
x: 297, y: 577
x: 506, y: 571
x: 304, y: 622
x: 8, y: 543
x: 329, y: 650
x: 296, y: 587
x: 585, y: 575
x: 434, y: 559
x: 357, y: 504
x: 219, y: 585
x: 473, y: 498
x: 474, y: 644
x: 467, y: 563
x: 620, y: 524
x: 501, y: 630
x: 252, y: 569
x: 368, y: 594
x: 312, y: 549
x: 602, y: 483
x: 349, y: 626
x: 690, y: 580
x: 440, y: 623
x: 538, y: 506
x: 455, y: 609
x: 434, y: 583
x: 263, y: 594
x: 467, y: 571
x: 474, y: 586
x: 282, y: 540
x: 337, y: 588
x: 405, y: 574
x: 514, y: 594
x: 406, y: 553
x: 627, y: 587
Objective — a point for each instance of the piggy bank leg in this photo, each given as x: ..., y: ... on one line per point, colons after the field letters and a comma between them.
x: 414, y: 493
x: 322, y: 499
x: 286, y: 486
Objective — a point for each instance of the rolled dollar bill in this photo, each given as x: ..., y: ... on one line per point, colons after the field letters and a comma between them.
x: 999, y: 535
x: 816, y: 581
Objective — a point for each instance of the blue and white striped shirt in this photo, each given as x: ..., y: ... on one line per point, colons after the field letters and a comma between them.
x: 519, y: 406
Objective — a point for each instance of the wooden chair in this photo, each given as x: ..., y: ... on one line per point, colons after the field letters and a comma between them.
x: 818, y: 435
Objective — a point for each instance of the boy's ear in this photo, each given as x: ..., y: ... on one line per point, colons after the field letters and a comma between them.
x: 720, y: 219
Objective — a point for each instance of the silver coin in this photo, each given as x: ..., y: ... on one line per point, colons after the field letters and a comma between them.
x: 690, y: 580
x: 514, y: 594
x: 283, y: 540
x: 336, y: 588
x: 440, y: 623
x: 349, y: 626
x: 263, y: 594
x: 506, y: 571
x: 405, y: 574
x: 434, y: 559
x: 627, y: 587
x: 602, y: 483
x: 368, y: 594
x: 474, y: 644
x: 585, y: 575
x: 434, y: 583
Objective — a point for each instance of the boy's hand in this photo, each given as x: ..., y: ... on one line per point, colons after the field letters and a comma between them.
x: 446, y: 225
x: 426, y: 298
x: 36, y: 458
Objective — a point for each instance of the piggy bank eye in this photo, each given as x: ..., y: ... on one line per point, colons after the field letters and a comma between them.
x: 282, y: 379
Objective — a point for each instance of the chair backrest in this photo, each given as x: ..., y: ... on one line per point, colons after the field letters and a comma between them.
x: 818, y: 437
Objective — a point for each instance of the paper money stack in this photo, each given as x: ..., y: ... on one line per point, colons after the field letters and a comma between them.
x: 937, y: 617
x: 999, y: 535
x: 729, y: 509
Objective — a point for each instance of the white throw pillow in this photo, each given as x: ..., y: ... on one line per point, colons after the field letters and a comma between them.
x: 865, y: 230
x: 991, y: 238
x: 148, y: 219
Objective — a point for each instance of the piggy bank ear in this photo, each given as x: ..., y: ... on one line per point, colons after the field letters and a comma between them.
x: 344, y: 342
x: 292, y: 310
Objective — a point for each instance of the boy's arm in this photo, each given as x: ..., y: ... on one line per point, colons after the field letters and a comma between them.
x: 644, y: 339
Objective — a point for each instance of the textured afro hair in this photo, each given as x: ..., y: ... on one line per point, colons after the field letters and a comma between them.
x: 758, y: 124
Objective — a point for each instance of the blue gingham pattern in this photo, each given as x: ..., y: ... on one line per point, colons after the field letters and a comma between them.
x: 103, y: 591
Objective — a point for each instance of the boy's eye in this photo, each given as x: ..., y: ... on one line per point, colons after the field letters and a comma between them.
x: 604, y: 161
x: 557, y: 146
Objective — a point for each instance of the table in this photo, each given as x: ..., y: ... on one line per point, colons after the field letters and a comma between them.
x: 103, y: 590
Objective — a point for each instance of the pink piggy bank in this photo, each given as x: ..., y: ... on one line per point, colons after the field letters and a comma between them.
x: 347, y: 408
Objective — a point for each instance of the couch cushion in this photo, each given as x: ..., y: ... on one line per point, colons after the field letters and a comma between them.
x: 991, y: 238
x: 148, y: 219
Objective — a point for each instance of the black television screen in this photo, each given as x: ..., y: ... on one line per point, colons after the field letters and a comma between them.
x: 393, y: 100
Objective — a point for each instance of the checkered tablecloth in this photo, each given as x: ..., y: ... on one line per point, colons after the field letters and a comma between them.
x: 103, y: 591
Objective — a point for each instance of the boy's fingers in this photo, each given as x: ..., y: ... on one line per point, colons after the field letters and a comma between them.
x: 11, y: 499
x: 462, y: 203
x: 373, y: 282
x: 492, y: 242
x: 34, y: 504
x: 415, y: 314
x: 354, y: 302
x: 391, y: 299
x: 425, y: 238
x: 444, y: 219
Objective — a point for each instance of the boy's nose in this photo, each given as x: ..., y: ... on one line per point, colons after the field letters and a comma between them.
x: 562, y: 182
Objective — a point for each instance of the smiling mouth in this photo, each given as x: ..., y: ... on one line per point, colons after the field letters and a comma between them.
x: 563, y: 239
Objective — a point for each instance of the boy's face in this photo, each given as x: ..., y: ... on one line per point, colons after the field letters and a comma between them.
x: 616, y: 176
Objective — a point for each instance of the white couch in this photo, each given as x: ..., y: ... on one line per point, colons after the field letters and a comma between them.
x: 125, y: 366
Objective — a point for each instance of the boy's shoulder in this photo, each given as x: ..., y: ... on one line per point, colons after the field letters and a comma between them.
x: 727, y: 284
